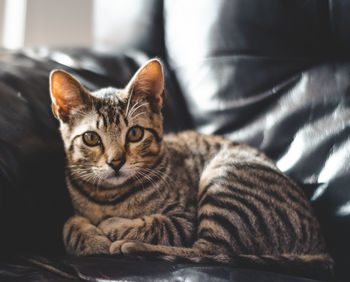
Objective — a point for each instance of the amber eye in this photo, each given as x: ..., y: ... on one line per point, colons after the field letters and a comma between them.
x: 135, y: 134
x: 91, y: 138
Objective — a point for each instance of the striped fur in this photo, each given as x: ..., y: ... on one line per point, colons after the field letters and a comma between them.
x: 185, y: 196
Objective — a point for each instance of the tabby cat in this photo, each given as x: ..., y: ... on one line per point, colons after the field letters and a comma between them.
x: 186, y: 196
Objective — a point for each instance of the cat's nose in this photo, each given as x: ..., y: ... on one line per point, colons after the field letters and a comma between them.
x: 116, y: 164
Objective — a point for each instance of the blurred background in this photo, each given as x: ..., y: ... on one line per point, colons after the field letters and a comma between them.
x: 66, y: 23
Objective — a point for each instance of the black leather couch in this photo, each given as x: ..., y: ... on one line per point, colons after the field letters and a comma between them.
x: 274, y: 74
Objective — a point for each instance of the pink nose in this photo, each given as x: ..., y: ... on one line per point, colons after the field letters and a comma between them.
x: 116, y: 164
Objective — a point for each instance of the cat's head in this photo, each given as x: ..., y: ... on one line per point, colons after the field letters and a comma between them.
x: 110, y: 135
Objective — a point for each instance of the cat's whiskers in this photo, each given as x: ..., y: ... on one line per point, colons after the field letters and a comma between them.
x: 157, y: 186
x: 97, y: 181
x: 145, y: 175
x: 134, y: 109
x: 85, y: 173
x: 90, y: 178
x: 98, y: 177
x: 156, y: 173
x: 79, y: 172
x: 81, y: 113
x: 160, y: 174
x: 80, y: 166
x: 139, y: 179
x: 134, y: 117
x: 128, y: 105
x: 87, y: 176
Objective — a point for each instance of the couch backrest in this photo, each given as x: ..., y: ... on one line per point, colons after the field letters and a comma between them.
x: 274, y: 74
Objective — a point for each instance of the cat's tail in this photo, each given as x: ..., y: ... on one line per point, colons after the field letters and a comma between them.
x: 317, y: 266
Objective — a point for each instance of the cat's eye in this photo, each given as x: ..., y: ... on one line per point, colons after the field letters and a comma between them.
x: 135, y: 134
x: 91, y: 138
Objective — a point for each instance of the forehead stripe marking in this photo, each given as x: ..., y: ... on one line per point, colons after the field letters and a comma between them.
x: 120, y: 103
x: 117, y: 121
x: 110, y: 114
x: 98, y: 107
x: 104, y: 119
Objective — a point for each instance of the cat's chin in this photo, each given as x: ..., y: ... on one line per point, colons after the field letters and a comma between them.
x: 116, y: 179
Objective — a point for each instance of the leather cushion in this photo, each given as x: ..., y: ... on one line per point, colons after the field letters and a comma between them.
x: 273, y: 74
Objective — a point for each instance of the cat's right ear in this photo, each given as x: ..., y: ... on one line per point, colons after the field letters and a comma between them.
x: 67, y: 94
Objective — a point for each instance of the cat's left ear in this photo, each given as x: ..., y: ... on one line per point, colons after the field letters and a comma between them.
x: 148, y: 84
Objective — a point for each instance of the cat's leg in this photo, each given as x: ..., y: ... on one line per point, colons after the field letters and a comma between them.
x: 157, y: 235
x: 155, y: 229
x: 129, y: 247
x: 82, y: 238
x: 201, y: 251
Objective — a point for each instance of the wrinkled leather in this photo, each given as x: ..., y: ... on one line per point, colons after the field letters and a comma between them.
x: 274, y: 74
x: 36, y: 268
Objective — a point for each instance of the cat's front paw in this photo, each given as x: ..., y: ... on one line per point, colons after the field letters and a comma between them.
x: 127, y: 247
x: 82, y: 238
x: 114, y: 227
